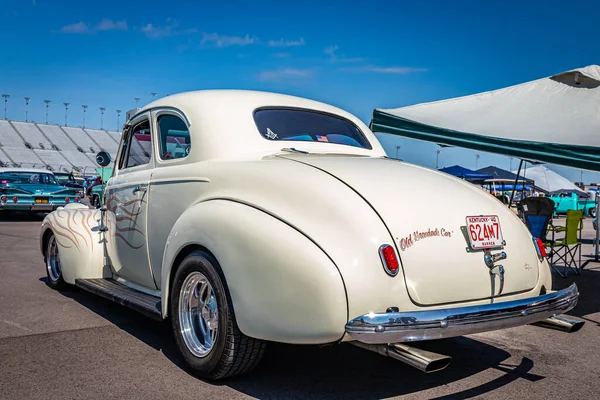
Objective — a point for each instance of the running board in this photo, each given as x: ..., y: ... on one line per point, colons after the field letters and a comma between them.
x: 112, y: 290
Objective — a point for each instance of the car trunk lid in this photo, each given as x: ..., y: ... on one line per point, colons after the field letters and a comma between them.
x: 425, y: 212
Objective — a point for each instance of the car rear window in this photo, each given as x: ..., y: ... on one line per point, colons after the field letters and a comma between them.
x: 308, y: 126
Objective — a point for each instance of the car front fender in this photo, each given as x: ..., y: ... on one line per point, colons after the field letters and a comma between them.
x: 80, y: 242
x: 283, y: 286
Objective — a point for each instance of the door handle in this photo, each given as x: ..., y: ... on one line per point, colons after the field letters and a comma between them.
x: 140, y: 189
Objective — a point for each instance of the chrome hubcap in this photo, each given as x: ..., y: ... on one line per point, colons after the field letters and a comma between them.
x: 198, y: 314
x: 53, y: 260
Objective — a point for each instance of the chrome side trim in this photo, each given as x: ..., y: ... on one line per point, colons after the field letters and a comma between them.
x: 396, y: 327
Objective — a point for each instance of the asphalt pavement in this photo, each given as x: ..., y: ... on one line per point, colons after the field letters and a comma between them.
x: 73, y: 345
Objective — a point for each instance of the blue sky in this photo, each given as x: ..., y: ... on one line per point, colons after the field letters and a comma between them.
x: 355, y: 55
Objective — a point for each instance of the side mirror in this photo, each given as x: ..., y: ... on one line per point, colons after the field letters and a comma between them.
x: 103, y: 159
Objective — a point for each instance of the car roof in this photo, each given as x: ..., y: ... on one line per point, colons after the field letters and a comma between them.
x: 27, y: 170
x: 228, y: 117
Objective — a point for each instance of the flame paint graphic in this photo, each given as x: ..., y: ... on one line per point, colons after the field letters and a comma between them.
x: 73, y: 228
x: 77, y: 221
x: 125, y: 214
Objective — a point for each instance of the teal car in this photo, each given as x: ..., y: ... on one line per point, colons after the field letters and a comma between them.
x: 32, y: 190
x: 97, y: 193
x: 570, y: 201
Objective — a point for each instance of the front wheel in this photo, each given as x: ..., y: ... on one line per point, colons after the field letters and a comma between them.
x: 54, y: 277
x: 592, y: 212
x: 203, y: 321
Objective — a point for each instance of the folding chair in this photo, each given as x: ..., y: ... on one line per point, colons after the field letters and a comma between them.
x: 567, y: 248
x: 537, y: 215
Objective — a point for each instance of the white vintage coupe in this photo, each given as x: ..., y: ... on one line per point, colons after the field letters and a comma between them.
x: 249, y: 218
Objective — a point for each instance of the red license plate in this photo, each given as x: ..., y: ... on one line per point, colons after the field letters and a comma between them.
x: 484, y: 232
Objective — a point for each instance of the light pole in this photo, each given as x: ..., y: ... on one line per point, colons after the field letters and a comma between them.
x: 397, y: 149
x: 102, y: 109
x: 510, y: 163
x: 581, y: 180
x: 476, y: 161
x: 118, y: 117
x: 66, y: 111
x: 84, y: 111
x: 27, y: 108
x: 47, y: 105
x: 137, y: 99
x: 6, y: 96
x: 437, y: 158
x: 153, y: 94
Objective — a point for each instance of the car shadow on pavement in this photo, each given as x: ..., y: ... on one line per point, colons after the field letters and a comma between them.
x: 337, y: 371
x: 345, y: 371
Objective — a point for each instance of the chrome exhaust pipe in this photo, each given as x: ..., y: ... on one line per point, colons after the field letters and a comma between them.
x: 422, y: 360
x: 561, y: 324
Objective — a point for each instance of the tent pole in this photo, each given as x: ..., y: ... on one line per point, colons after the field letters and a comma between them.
x: 512, y: 194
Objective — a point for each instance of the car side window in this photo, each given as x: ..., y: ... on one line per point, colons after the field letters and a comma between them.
x: 174, y: 137
x: 139, y: 145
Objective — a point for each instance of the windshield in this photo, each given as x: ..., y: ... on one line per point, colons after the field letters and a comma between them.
x: 15, y: 177
x: 308, y: 126
x: 64, y: 178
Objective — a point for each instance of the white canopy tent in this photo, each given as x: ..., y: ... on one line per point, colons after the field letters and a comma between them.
x: 550, y: 120
x: 550, y: 181
x: 554, y: 120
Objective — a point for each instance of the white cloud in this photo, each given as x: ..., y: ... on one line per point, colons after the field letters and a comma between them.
x: 105, y: 24
x: 170, y: 28
x: 387, y: 70
x: 334, y: 56
x: 286, y: 43
x: 110, y: 25
x: 225, y: 41
x: 285, y: 74
x: 330, y: 50
x: 79, y: 27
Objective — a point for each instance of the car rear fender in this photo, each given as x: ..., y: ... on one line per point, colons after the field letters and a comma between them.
x: 283, y: 286
x: 80, y: 242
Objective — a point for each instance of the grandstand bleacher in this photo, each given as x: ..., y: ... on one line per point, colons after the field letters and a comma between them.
x: 23, y: 157
x: 115, y: 135
x: 82, y: 139
x: 54, y: 159
x: 58, y: 137
x: 57, y: 148
x: 80, y: 160
x: 4, y: 160
x: 103, y: 139
x: 9, y: 136
x: 32, y: 135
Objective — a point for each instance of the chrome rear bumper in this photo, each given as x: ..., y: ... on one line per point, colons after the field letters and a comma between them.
x: 396, y: 327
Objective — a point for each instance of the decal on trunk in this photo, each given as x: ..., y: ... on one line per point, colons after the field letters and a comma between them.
x: 416, y: 236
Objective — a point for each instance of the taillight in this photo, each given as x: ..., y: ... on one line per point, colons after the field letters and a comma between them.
x: 389, y: 259
x: 67, y: 200
x: 3, y: 198
x: 539, y: 247
x: 15, y: 199
x: 77, y: 199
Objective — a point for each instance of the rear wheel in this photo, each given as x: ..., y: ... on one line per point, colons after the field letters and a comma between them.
x: 204, y: 324
x: 592, y: 212
x: 53, y: 267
